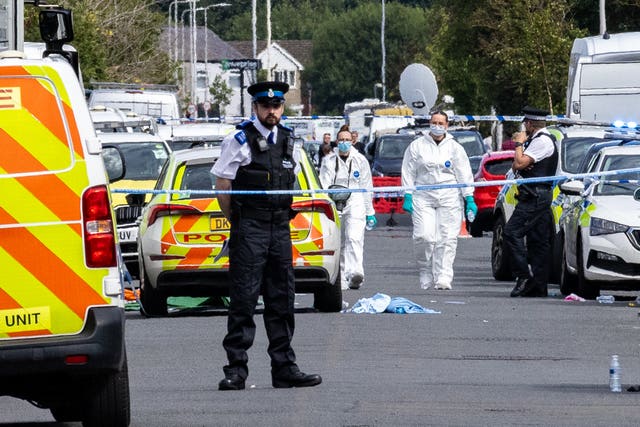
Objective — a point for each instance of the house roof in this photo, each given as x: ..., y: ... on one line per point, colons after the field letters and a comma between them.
x: 298, y: 49
x: 217, y: 49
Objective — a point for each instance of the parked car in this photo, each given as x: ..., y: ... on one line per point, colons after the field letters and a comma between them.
x: 182, y: 244
x: 387, y: 152
x: 600, y: 227
x: 493, y: 166
x: 144, y: 155
x: 312, y: 147
x: 572, y: 143
x: 471, y: 141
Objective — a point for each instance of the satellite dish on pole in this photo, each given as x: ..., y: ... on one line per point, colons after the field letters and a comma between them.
x: 418, y: 88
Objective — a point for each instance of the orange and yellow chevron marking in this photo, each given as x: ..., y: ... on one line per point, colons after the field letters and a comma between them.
x: 31, y: 248
x: 42, y: 101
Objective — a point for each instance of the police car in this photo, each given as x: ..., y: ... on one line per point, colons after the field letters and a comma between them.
x: 145, y: 155
x: 572, y: 141
x: 600, y: 226
x: 182, y: 244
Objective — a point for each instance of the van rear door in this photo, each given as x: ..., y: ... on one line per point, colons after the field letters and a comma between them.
x: 45, y: 287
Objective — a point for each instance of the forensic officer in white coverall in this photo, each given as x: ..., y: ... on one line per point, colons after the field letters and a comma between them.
x: 436, y: 158
x: 346, y: 167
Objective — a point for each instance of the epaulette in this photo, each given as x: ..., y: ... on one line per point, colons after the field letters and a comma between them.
x: 243, y: 125
x: 241, y: 137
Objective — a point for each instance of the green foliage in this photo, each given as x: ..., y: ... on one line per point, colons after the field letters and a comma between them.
x: 221, y: 95
x: 504, y: 53
x: 347, y: 53
x: 621, y: 15
x: 118, y: 40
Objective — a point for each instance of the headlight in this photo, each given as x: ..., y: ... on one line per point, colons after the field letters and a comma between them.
x: 601, y: 226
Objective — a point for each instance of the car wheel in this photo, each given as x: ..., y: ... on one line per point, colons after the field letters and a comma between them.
x: 66, y: 413
x: 587, y: 289
x: 329, y: 298
x: 108, y: 403
x: 152, y: 301
x: 568, y: 281
x: 499, y: 261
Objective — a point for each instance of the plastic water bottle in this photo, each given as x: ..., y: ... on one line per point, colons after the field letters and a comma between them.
x: 606, y: 299
x: 370, y: 225
x: 614, y: 375
x: 471, y: 216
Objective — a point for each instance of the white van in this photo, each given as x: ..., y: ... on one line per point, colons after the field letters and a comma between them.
x: 139, y: 99
x: 604, y: 78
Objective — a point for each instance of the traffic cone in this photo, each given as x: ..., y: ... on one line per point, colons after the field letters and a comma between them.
x: 463, y: 230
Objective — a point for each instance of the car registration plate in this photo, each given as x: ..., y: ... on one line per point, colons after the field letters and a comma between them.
x: 219, y: 223
x: 128, y: 235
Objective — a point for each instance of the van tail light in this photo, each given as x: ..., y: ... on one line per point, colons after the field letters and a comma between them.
x: 97, y: 222
x: 166, y: 209
x: 315, y: 205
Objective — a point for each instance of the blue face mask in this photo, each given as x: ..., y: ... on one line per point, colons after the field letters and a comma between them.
x: 344, y: 146
x: 437, y: 130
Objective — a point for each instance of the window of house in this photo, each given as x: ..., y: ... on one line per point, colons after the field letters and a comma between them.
x: 285, y: 76
x: 201, y: 79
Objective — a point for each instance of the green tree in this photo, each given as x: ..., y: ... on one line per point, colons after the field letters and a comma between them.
x: 118, y: 40
x: 347, y: 53
x: 221, y: 95
x: 621, y: 15
x: 504, y: 53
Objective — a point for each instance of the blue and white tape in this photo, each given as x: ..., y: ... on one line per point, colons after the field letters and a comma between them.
x: 399, y: 190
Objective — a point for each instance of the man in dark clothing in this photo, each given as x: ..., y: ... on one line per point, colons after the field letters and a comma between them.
x: 260, y: 156
x: 536, y: 156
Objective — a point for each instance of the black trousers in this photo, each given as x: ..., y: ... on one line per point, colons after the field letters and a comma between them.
x: 260, y: 261
x: 531, y: 219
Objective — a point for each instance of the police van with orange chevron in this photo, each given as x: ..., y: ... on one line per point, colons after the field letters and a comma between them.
x: 62, y: 317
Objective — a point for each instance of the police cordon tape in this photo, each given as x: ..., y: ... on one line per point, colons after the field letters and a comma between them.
x: 399, y: 190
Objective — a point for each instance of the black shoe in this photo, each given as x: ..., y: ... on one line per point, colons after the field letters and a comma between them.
x: 521, y: 284
x: 231, y: 382
x: 292, y: 377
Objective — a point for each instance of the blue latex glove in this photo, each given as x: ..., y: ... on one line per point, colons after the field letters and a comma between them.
x: 471, y: 205
x: 371, y: 222
x: 407, y: 205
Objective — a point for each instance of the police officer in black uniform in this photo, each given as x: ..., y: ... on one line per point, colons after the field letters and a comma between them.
x: 259, y: 156
x: 536, y: 155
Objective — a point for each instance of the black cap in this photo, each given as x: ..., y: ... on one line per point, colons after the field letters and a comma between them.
x: 269, y: 92
x: 531, y: 113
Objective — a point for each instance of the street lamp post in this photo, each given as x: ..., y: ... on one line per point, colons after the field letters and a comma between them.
x: 383, y: 53
x: 206, y: 42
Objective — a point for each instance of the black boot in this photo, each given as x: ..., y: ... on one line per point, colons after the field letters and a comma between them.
x: 521, y: 285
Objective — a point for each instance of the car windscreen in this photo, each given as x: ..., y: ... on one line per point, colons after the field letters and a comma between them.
x: 198, y: 177
x: 393, y: 146
x: 574, y: 150
x: 143, y: 160
x: 619, y: 184
x: 470, y: 141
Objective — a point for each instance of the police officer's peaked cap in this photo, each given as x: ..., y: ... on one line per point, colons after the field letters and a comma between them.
x: 531, y: 113
x: 269, y: 92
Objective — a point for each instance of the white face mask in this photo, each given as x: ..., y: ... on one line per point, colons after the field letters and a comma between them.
x: 437, y: 130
